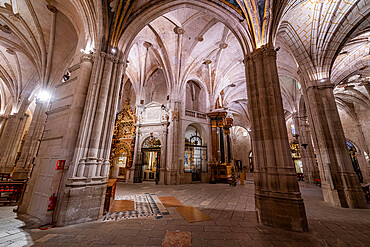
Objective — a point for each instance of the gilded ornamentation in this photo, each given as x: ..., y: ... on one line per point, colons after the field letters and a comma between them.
x: 124, y: 134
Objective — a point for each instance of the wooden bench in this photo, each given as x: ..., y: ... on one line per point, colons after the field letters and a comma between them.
x: 11, y: 191
x: 300, y: 176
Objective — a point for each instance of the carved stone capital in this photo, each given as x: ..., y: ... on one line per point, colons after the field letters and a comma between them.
x: 87, y: 58
x: 264, y: 51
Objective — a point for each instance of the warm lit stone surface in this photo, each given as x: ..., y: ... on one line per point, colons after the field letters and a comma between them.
x: 234, y: 222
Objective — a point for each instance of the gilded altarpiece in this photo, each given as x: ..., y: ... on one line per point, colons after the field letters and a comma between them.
x: 123, y: 143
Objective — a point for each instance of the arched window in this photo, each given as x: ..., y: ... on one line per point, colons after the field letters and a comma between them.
x: 352, y: 152
x: 156, y: 88
x: 194, y: 97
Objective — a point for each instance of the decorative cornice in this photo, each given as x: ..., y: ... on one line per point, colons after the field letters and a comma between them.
x: 74, y: 68
x: 59, y: 109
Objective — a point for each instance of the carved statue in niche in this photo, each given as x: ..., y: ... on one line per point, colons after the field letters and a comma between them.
x: 123, y: 141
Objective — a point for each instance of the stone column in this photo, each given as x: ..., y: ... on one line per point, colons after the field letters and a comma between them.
x: 62, y: 129
x: 10, y: 141
x: 24, y: 164
x: 277, y: 196
x: 340, y: 184
x: 305, y: 148
x: 165, y: 154
x: 308, y: 153
x: 136, y: 159
x: 173, y: 159
x: 88, y: 179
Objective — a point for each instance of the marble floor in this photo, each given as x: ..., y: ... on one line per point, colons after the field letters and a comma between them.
x: 233, y: 222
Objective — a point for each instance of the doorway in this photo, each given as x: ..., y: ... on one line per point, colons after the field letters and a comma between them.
x: 195, y: 154
x: 151, y: 159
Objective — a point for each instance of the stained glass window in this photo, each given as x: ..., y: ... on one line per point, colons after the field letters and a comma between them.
x: 352, y: 152
x: 293, y: 129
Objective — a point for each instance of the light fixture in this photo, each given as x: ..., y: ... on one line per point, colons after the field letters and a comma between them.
x: 43, y: 96
x: 113, y: 50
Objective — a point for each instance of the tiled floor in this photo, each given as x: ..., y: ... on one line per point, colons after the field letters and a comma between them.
x: 234, y: 222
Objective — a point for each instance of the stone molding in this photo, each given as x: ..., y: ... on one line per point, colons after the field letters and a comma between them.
x: 59, y: 109
x: 323, y: 86
x: 112, y: 58
x: 87, y: 58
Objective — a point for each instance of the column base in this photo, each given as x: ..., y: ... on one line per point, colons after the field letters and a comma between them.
x: 285, y: 213
x: 349, y: 196
x: 332, y: 196
x: 130, y: 176
x: 81, y: 204
x: 171, y: 176
x: 352, y: 190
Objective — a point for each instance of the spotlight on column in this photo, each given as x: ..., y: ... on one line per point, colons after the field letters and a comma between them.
x: 113, y: 50
x: 43, y: 96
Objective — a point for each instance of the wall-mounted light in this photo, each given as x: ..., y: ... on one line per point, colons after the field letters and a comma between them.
x: 113, y: 50
x: 43, y: 96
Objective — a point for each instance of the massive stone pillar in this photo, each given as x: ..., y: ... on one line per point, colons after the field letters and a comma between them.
x: 31, y: 145
x: 277, y: 196
x: 340, y: 184
x: 79, y: 130
x: 10, y: 140
x: 174, y: 132
x: 84, y: 193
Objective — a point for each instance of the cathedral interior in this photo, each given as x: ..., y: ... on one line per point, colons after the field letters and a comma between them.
x: 184, y: 123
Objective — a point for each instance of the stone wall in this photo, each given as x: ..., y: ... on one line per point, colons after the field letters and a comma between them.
x: 359, y: 134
